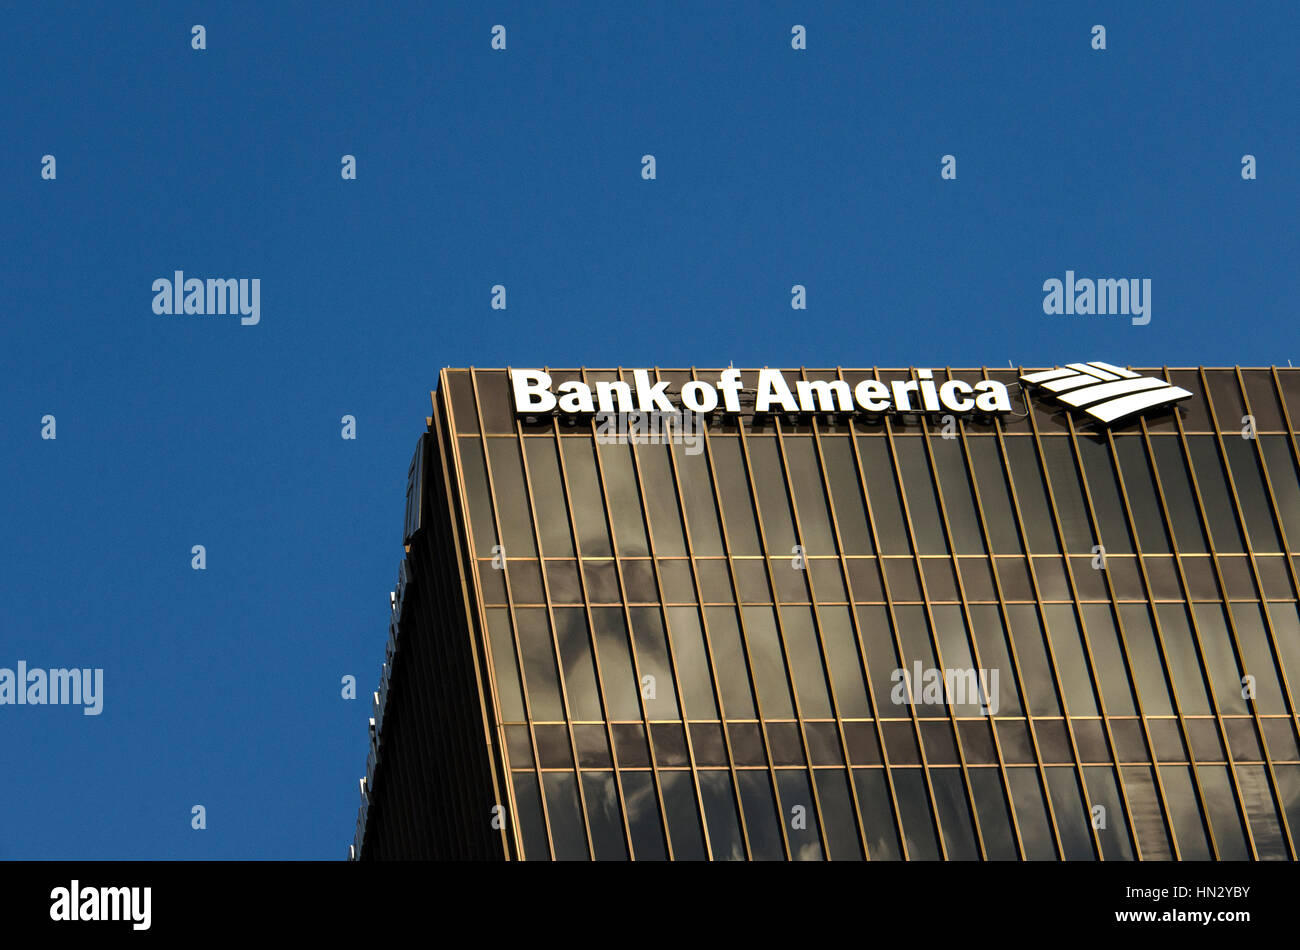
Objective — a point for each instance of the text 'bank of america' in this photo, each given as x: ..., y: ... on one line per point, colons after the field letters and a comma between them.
x: 1036, y: 614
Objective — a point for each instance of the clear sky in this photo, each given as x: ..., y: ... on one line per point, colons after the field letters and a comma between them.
x: 774, y: 167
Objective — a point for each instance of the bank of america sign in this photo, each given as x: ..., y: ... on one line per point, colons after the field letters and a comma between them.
x: 1106, y: 393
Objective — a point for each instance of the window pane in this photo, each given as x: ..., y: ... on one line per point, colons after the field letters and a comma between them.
x: 532, y: 827
x: 615, y: 663
x: 1031, y: 492
x: 1148, y: 822
x: 511, y: 498
x: 460, y: 395
x: 1225, y: 395
x: 1288, y: 782
x: 914, y: 808
x: 760, y: 815
x: 1104, y: 491
x: 846, y: 493
x: 1103, y: 639
x: 990, y: 640
x: 958, y: 502
x: 732, y: 668
x: 809, y: 496
x: 1184, y: 664
x: 914, y: 634
x: 1286, y: 484
x: 1225, y: 678
x: 1031, y: 814
x: 1145, y: 661
x: 584, y: 489
x: 504, y: 666
x: 922, y: 503
x: 1258, y: 657
x: 769, y: 485
x: 683, y: 816
x: 878, y: 814
x: 720, y: 815
x: 882, y: 492
x: 1035, y: 670
x: 1186, y: 816
x: 1289, y: 382
x: 994, y: 496
x: 882, y: 658
x: 692, y: 662
x: 1073, y: 823
x: 994, y: 815
x: 837, y: 813
x: 805, y: 662
x: 799, y: 812
x: 733, y: 489
x: 1261, y: 813
x: 1071, y: 661
x: 845, y: 666
x: 643, y: 817
x: 1286, y: 633
x: 1139, y: 485
x: 969, y: 691
x: 1214, y: 492
x: 652, y: 660
x: 1066, y: 490
x: 954, y: 815
x: 697, y: 499
x: 476, y: 490
x: 661, y: 499
x: 579, y: 672
x: 567, y: 831
x: 548, y: 497
x: 767, y: 663
x: 1264, y: 405
x: 1255, y: 506
x: 624, y: 499
x: 1184, y: 516
x: 1103, y: 790
x: 1221, y: 803
x: 540, y: 676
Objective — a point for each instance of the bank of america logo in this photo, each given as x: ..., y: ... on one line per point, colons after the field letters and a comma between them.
x: 1104, y: 392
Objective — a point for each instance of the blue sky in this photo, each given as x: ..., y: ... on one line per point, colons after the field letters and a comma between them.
x: 774, y: 167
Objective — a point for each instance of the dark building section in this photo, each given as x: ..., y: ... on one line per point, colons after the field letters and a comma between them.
x: 847, y: 636
x: 430, y: 785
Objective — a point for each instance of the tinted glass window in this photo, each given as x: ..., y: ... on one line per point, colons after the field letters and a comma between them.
x: 846, y: 492
x: 882, y: 493
x: 1139, y: 486
x: 1022, y: 459
x: 548, y: 494
x: 810, y: 496
x: 697, y: 498
x: 1184, y: 514
x: 1210, y: 478
x: 733, y: 488
x: 511, y: 498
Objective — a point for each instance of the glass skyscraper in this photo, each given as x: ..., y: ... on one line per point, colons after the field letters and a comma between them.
x: 846, y: 636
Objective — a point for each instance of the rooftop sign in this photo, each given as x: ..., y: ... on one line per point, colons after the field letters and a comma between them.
x: 535, y: 394
x: 1106, y: 393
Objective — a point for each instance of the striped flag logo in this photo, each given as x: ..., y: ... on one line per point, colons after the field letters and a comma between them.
x: 1104, y: 392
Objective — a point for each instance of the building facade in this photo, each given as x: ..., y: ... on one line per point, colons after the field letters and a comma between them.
x: 910, y: 628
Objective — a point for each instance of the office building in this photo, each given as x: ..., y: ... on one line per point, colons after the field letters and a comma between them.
x: 1040, y: 614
